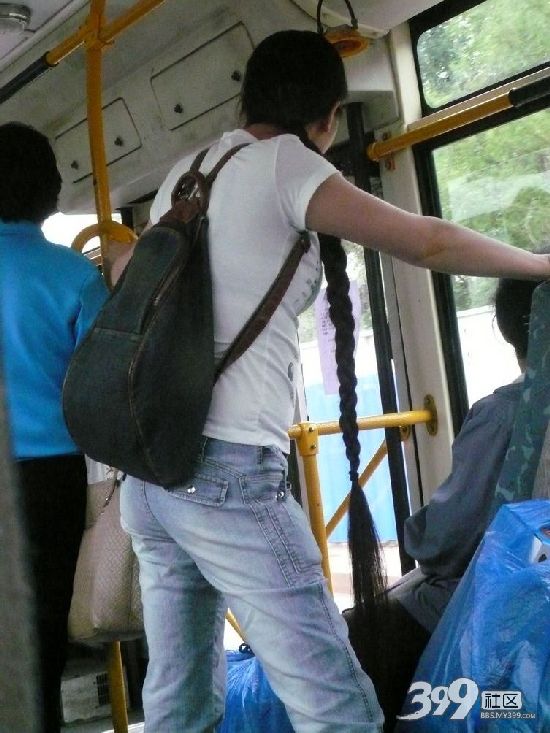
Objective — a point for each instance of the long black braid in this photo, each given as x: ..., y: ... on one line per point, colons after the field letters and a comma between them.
x: 294, y: 78
x: 368, y: 573
x: 369, y: 580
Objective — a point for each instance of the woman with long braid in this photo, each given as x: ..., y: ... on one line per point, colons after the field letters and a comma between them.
x: 234, y: 536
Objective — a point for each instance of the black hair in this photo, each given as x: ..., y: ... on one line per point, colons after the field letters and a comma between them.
x: 30, y: 182
x: 292, y: 79
x: 513, y: 309
x: 368, y: 575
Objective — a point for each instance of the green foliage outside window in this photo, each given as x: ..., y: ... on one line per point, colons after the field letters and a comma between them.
x: 498, y: 182
x: 481, y: 47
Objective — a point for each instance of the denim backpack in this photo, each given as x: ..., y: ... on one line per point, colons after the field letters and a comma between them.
x: 138, y: 388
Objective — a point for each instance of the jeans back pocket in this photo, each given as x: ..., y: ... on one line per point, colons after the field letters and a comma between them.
x: 203, y: 488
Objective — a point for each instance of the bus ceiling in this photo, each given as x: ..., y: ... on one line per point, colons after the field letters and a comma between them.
x: 154, y: 98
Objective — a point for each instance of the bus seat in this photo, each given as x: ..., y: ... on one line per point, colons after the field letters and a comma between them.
x: 517, y: 478
x: 492, y: 646
x: 541, y: 489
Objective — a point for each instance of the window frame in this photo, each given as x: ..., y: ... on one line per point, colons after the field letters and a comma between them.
x: 433, y: 17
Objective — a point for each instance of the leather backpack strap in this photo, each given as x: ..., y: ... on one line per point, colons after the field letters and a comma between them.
x: 191, y: 194
x: 211, y: 177
x: 196, y: 164
x: 268, y: 305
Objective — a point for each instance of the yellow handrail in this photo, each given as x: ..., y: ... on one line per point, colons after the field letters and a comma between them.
x: 381, y: 148
x: 306, y: 435
x: 307, y: 442
x: 234, y: 623
x: 94, y: 57
x: 388, y: 420
x: 128, y: 18
x: 113, y: 230
x: 117, y: 690
x: 371, y: 467
x: 106, y: 34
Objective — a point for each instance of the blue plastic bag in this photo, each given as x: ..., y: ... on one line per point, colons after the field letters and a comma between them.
x: 487, y: 665
x: 251, y: 706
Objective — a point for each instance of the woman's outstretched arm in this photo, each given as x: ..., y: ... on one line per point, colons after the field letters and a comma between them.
x: 341, y: 209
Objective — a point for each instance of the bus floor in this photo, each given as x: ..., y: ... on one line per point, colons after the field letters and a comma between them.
x: 340, y: 570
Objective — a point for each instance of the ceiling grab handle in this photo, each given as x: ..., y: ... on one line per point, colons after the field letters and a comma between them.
x: 113, y: 230
x: 346, y: 39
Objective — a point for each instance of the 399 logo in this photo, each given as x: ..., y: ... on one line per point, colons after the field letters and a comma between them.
x: 458, y: 698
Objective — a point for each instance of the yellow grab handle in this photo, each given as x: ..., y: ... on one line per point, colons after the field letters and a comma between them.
x: 112, y: 229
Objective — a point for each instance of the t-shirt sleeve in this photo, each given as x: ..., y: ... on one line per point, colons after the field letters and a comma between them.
x: 299, y: 172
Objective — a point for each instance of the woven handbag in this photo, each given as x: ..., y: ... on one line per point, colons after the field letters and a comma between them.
x: 106, y: 602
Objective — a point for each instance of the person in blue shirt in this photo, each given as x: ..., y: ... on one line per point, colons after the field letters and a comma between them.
x: 49, y: 297
x: 444, y: 534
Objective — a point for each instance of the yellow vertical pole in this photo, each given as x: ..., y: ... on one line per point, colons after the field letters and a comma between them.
x: 94, y: 50
x: 308, y: 447
x: 117, y: 690
x: 234, y: 623
x: 94, y: 55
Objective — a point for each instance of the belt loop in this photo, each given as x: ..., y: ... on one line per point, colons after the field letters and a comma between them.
x: 260, y: 454
x: 202, y: 449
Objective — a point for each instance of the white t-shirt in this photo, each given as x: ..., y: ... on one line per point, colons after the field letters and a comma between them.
x: 257, y: 206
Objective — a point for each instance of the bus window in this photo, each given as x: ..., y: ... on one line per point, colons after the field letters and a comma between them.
x: 498, y: 182
x: 481, y: 47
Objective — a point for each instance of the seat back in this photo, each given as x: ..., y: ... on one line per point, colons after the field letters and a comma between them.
x: 517, y: 478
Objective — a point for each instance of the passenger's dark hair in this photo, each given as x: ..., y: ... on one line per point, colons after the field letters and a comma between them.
x: 292, y: 79
x: 513, y: 309
x: 30, y: 182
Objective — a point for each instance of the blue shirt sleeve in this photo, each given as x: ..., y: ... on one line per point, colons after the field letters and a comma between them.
x: 444, y: 534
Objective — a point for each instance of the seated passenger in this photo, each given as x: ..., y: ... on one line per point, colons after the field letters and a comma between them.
x: 443, y: 535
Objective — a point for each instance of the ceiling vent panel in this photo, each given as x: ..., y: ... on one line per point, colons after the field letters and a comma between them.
x: 72, y: 147
x: 204, y: 79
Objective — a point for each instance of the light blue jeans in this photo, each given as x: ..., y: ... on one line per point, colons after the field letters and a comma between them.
x: 234, y: 536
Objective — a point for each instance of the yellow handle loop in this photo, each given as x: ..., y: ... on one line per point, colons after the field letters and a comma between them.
x: 112, y: 230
